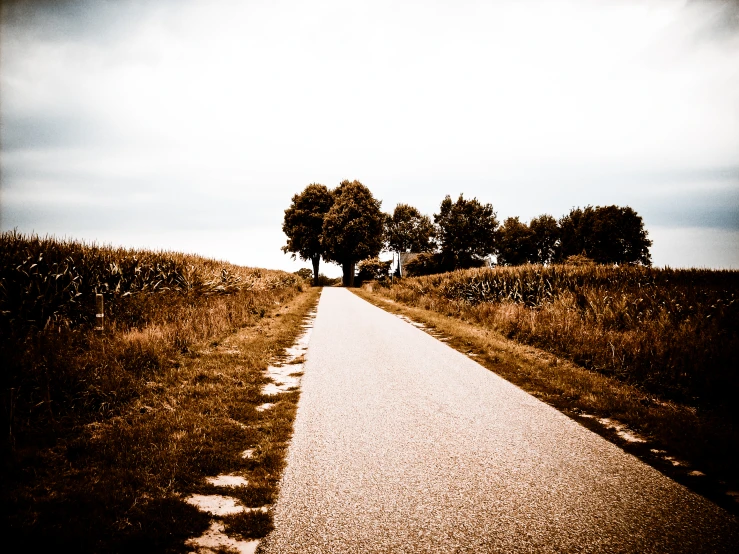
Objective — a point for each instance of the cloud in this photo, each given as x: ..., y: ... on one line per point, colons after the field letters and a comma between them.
x: 170, y: 114
x: 718, y: 19
x: 710, y: 208
x: 98, y: 23
x: 48, y: 131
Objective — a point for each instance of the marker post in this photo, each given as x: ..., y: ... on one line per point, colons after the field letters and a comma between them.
x: 100, y: 314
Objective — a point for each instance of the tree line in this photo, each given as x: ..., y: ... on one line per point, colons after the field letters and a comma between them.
x: 346, y: 226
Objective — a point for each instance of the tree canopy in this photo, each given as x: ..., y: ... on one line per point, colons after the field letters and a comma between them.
x: 466, y: 231
x: 544, y: 237
x: 605, y: 234
x: 534, y: 243
x: 304, y: 272
x: 408, y: 230
x: 352, y: 228
x: 303, y: 224
x: 346, y: 226
x: 515, y: 245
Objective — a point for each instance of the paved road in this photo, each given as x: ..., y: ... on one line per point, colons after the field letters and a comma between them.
x: 403, y: 444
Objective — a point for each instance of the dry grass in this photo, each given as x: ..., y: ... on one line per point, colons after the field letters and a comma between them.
x: 673, y: 333
x: 109, y: 433
x: 48, y: 283
x: 704, y: 440
x: 117, y: 483
x: 57, y: 372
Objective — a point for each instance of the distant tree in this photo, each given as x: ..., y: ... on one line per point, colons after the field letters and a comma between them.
x: 545, y: 237
x: 353, y: 228
x: 515, y: 245
x: 466, y: 232
x: 303, y: 224
x: 305, y: 273
x: 408, y: 230
x: 605, y: 234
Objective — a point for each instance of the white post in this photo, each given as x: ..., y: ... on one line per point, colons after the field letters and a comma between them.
x: 99, y: 316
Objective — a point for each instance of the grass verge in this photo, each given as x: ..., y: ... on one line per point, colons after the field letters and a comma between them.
x: 117, y: 481
x: 693, y: 447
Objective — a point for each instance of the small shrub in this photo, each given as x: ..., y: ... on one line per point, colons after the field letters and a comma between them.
x: 579, y: 260
x: 305, y: 273
x: 324, y: 281
x: 372, y: 269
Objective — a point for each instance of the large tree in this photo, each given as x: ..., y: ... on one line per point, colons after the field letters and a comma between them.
x: 408, y: 230
x: 466, y: 231
x: 515, y: 244
x: 605, y: 234
x: 352, y: 228
x: 303, y: 224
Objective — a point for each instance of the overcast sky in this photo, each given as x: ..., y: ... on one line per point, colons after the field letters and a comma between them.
x: 189, y: 125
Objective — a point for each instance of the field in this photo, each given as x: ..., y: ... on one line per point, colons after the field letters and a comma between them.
x: 666, y: 340
x: 108, y: 431
x: 673, y: 332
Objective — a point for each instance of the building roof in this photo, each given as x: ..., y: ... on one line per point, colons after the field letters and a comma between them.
x: 404, y: 258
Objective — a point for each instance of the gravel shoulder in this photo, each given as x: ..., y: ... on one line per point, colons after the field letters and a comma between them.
x: 402, y: 444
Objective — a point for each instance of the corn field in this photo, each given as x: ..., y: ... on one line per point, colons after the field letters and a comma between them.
x: 46, y: 283
x: 57, y: 370
x: 672, y: 332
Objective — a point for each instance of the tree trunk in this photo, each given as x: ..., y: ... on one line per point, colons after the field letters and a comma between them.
x: 345, y: 274
x: 347, y: 279
x: 316, y: 260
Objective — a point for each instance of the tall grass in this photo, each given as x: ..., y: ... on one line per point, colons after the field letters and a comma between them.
x: 47, y: 283
x: 57, y: 372
x: 674, y: 333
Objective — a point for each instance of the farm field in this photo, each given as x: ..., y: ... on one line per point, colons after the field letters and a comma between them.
x: 110, y: 432
x: 653, y: 349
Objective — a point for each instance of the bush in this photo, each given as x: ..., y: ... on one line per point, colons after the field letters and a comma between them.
x: 579, y: 260
x: 324, y: 281
x: 372, y: 269
x: 305, y: 273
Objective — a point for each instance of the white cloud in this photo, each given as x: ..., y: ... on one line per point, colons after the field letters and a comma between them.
x: 195, y: 110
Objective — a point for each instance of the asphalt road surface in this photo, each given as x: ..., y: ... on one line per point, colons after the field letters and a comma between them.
x: 403, y: 444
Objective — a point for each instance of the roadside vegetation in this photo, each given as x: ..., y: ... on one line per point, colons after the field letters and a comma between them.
x: 669, y: 336
x: 105, y: 433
